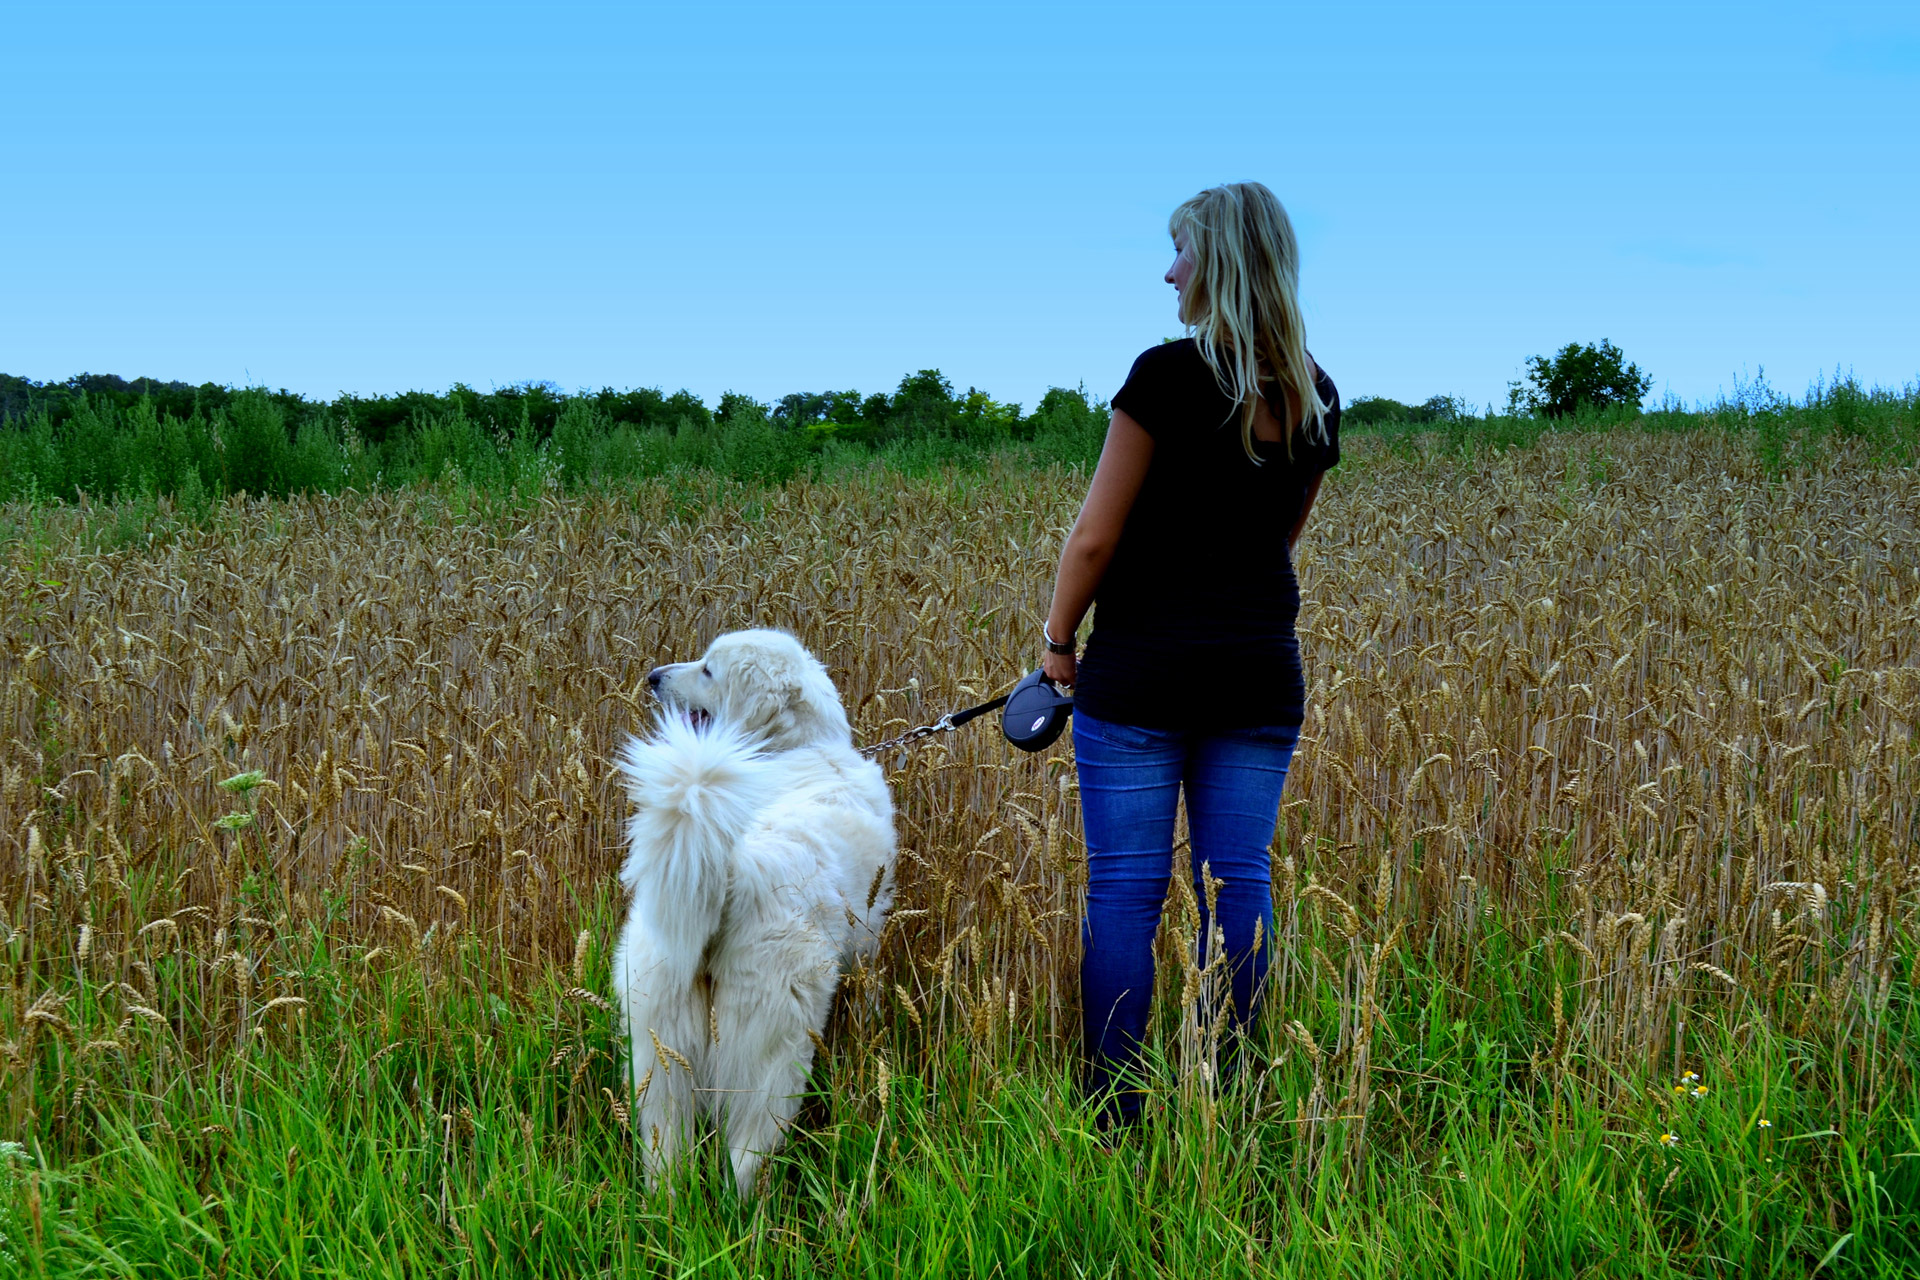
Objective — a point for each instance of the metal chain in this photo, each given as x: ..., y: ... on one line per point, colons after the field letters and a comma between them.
x: 943, y: 725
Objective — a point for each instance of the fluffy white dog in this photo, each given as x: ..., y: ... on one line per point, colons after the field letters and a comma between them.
x: 761, y: 863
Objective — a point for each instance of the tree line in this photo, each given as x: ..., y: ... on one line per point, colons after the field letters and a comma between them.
x: 106, y: 436
x: 1592, y: 376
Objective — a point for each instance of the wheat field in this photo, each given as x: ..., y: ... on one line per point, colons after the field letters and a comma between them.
x: 1610, y: 748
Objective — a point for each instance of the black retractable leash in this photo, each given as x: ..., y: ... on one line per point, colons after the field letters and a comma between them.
x: 1035, y: 714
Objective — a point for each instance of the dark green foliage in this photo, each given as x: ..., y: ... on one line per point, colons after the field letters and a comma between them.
x: 108, y: 439
x: 1579, y: 377
x: 749, y: 445
x: 262, y: 454
x: 822, y: 412
x: 1068, y: 427
x: 1370, y: 411
x: 22, y: 398
x: 923, y: 406
x: 111, y: 439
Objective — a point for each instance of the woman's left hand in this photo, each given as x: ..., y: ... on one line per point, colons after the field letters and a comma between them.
x: 1060, y: 667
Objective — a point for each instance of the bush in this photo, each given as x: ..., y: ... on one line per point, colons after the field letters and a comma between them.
x: 1372, y: 411
x: 750, y: 446
x: 1069, y: 427
x: 1579, y: 377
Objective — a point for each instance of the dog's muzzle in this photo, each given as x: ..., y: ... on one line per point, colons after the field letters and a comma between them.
x: 654, y: 679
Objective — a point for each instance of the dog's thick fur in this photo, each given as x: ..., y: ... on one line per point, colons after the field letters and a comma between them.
x: 760, y: 858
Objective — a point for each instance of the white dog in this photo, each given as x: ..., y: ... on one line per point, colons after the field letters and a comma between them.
x: 761, y: 863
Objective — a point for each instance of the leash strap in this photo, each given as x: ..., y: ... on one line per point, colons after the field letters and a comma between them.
x: 945, y: 724
x: 959, y: 718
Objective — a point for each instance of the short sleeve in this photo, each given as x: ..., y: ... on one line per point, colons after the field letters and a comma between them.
x: 1327, y: 456
x: 1145, y: 394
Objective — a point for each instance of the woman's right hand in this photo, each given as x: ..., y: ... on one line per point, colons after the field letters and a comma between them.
x: 1060, y: 667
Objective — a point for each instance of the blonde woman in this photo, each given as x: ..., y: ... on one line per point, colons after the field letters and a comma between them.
x: 1191, y: 678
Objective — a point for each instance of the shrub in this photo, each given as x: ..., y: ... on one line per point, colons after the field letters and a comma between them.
x: 1370, y: 411
x: 1069, y: 427
x: 748, y: 444
x: 253, y: 437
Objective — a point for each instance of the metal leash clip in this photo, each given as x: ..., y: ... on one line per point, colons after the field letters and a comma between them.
x: 945, y: 724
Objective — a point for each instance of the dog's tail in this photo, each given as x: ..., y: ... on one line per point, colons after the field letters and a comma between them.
x: 694, y: 789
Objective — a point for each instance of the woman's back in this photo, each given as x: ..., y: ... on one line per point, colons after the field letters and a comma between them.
x: 1201, y: 579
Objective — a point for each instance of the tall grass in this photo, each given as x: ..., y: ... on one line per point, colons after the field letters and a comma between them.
x: 307, y: 844
x: 277, y: 445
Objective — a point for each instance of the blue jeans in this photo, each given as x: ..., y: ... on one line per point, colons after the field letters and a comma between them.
x: 1130, y: 781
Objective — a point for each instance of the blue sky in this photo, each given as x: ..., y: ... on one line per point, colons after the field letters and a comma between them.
x: 769, y: 198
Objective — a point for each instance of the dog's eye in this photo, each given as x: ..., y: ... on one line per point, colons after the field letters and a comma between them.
x: 706, y: 670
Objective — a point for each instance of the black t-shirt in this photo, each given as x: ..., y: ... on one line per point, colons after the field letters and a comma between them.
x: 1193, y: 625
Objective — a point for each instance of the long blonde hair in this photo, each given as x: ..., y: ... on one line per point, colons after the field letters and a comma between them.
x: 1242, y: 303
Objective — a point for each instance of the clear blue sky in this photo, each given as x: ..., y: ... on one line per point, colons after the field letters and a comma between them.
x: 769, y: 198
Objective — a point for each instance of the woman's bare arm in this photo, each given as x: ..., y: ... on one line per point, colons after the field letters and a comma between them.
x: 1089, y: 548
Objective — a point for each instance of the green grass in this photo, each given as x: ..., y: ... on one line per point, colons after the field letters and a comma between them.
x: 439, y: 1115
x: 435, y: 1108
x: 96, y: 450
x: 143, y: 457
x: 1784, y: 434
x: 114, y: 475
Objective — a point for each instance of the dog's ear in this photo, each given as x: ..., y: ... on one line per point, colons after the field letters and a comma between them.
x: 813, y: 704
x: 757, y: 696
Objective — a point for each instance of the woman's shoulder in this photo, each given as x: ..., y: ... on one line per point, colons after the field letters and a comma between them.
x: 1166, y: 384
x: 1175, y: 370
x: 1324, y: 454
x: 1323, y: 386
x: 1175, y: 354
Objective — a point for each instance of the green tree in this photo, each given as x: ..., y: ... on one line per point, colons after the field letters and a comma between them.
x: 980, y: 419
x: 818, y: 414
x: 1581, y: 376
x: 922, y: 407
x: 1367, y: 411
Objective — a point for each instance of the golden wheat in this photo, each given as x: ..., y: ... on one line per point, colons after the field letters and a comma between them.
x: 1666, y: 723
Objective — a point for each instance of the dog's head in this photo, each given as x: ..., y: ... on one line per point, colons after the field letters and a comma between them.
x: 763, y: 683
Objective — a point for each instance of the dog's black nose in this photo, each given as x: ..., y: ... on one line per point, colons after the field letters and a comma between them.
x: 653, y: 678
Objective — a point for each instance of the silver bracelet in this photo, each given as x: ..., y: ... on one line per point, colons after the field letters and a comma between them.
x: 1054, y: 646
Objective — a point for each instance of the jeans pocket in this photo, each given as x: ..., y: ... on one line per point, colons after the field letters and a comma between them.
x: 1119, y: 737
x: 1271, y: 735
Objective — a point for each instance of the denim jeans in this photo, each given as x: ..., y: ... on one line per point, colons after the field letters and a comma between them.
x: 1130, y: 782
